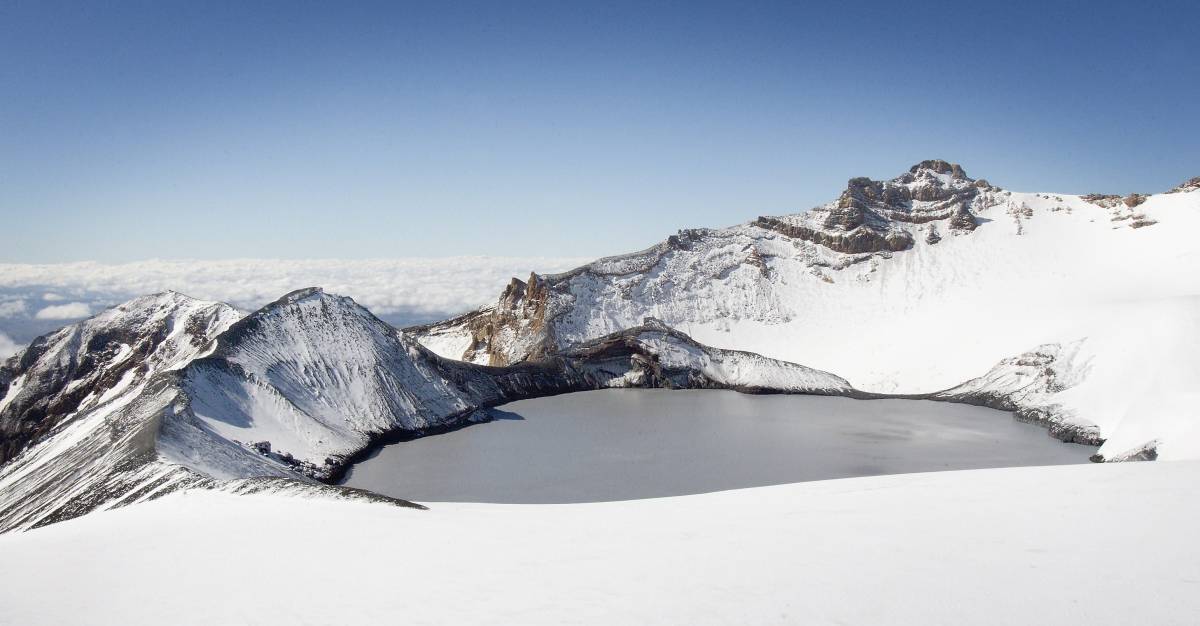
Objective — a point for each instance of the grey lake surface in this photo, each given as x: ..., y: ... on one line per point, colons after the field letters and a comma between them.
x: 637, y: 443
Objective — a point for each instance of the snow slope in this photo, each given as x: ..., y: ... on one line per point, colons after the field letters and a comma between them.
x: 1093, y: 544
x: 913, y: 285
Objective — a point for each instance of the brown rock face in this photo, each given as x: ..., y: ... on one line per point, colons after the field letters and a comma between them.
x: 963, y: 220
x: 858, y: 240
x: 1134, y: 199
x: 867, y: 217
x: 521, y: 310
x: 846, y: 217
x: 941, y: 167
x: 1102, y: 199
x: 755, y: 259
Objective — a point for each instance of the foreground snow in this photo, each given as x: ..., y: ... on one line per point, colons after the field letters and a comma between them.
x: 1093, y: 544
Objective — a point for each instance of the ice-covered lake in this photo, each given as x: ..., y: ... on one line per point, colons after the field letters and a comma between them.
x: 635, y: 443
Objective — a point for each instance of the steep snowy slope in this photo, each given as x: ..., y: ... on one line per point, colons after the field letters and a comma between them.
x: 912, y: 285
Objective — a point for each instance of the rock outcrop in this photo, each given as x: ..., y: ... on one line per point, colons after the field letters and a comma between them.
x: 1026, y: 385
x: 1192, y: 184
x: 870, y: 215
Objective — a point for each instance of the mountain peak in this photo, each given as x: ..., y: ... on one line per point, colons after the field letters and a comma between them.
x: 938, y: 166
x: 300, y: 294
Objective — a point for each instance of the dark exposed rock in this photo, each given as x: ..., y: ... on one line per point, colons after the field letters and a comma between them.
x: 1105, y: 200
x: 1191, y: 184
x: 755, y: 259
x: 963, y: 220
x: 932, y: 236
x: 1051, y: 418
x: 941, y: 167
x: 1145, y: 452
x: 846, y: 217
x: 859, y: 240
x: 1134, y: 199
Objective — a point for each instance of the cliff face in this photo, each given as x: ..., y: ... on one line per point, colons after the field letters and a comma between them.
x: 871, y: 215
x: 518, y: 319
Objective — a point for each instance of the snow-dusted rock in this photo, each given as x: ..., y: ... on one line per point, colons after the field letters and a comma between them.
x: 654, y: 355
x: 89, y: 364
x: 1026, y: 385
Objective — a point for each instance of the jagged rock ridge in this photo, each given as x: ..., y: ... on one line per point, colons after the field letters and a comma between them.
x: 86, y: 364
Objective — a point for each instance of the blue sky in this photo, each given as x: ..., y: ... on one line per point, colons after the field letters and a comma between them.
x: 353, y: 130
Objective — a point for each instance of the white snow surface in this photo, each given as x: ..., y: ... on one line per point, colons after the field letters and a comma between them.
x: 1093, y: 544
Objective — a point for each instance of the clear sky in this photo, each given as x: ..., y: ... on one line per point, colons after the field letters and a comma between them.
x: 340, y: 129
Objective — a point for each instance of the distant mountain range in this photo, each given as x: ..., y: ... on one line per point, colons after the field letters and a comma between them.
x: 1081, y: 313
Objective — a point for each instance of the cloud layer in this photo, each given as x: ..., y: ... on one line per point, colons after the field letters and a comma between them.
x: 8, y: 347
x: 69, y: 311
x: 399, y: 290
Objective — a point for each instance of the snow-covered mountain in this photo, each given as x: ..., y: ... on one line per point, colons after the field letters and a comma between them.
x: 1081, y: 313
x: 288, y: 395
x: 914, y: 285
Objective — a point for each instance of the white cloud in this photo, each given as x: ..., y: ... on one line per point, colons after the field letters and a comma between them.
x: 12, y: 308
x: 71, y: 310
x: 52, y: 297
x: 8, y: 347
x: 408, y: 288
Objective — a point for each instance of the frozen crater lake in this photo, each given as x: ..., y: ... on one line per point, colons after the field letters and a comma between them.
x: 636, y: 443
